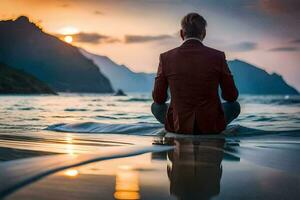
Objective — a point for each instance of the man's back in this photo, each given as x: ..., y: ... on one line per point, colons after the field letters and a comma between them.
x: 194, y: 72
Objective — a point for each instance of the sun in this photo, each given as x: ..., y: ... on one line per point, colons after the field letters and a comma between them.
x: 68, y: 39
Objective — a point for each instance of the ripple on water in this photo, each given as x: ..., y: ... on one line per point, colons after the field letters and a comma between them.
x: 29, y: 108
x: 62, y: 116
x: 75, y: 109
x: 96, y: 100
x: 272, y: 100
x: 136, y: 117
x: 135, y: 100
x: 99, y: 110
x: 26, y: 108
x: 264, y: 119
x: 105, y: 117
x: 121, y: 114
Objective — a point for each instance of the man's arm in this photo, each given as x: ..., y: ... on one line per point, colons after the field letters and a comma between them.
x: 229, y: 90
x: 159, y: 93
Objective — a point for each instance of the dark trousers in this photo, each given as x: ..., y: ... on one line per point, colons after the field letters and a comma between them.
x: 231, y: 111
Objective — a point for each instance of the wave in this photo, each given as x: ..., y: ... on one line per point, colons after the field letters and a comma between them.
x: 96, y: 100
x: 93, y: 127
x: 105, y: 117
x: 75, y: 109
x: 99, y: 110
x: 135, y: 100
x: 265, y: 119
x: 24, y: 108
x: 153, y: 129
x: 283, y: 100
x: 122, y: 117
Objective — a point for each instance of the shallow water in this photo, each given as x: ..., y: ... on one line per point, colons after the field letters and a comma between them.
x: 195, y: 169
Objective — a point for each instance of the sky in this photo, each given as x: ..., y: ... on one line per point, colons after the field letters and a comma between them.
x: 265, y: 33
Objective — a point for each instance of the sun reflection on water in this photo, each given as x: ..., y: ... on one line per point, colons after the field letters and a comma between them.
x: 71, y: 172
x: 127, y: 183
x: 69, y: 145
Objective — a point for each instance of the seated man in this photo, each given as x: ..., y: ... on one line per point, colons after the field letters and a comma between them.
x: 194, y: 72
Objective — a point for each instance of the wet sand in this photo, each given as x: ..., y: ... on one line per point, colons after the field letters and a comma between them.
x: 257, y: 167
x: 13, y: 154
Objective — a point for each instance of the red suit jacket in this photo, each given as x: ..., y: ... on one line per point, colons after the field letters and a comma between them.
x: 194, y: 72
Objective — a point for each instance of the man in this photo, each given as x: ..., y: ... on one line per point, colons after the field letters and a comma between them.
x: 193, y: 73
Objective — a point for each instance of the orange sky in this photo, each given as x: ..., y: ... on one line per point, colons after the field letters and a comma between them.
x: 135, y: 32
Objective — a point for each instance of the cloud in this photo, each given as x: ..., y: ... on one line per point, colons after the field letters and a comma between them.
x: 145, y: 38
x: 295, y: 41
x: 97, y: 38
x: 242, y: 46
x: 66, y: 5
x: 97, y: 12
x: 89, y: 37
x: 280, y: 6
x: 288, y: 49
x: 93, y: 38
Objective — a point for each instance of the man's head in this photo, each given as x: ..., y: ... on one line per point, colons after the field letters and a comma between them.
x: 193, y: 25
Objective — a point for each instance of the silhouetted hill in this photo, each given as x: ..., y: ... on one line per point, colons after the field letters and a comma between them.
x: 120, y: 76
x: 249, y: 79
x: 25, y: 46
x: 13, y: 81
x: 253, y: 80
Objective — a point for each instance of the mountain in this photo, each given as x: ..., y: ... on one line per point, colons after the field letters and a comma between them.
x: 14, y: 81
x: 253, y: 80
x: 60, y: 65
x: 249, y: 78
x: 120, y: 76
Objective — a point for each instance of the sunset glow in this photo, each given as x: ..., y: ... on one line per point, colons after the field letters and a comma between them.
x: 68, y: 30
x: 269, y: 39
x: 68, y: 39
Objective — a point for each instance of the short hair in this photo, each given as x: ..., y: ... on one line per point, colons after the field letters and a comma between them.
x: 193, y: 25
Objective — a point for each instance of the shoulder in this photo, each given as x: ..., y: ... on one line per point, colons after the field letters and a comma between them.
x: 169, y: 53
x: 214, y: 51
x: 216, y: 55
x: 211, y: 51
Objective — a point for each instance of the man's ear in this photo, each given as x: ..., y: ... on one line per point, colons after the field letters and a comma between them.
x: 181, y: 34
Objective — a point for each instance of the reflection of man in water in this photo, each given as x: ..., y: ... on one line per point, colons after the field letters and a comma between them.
x: 195, y: 169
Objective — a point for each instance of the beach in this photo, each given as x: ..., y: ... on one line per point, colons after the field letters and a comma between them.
x: 86, y: 147
x: 149, y: 99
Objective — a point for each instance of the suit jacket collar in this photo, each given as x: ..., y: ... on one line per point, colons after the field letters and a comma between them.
x: 191, y: 42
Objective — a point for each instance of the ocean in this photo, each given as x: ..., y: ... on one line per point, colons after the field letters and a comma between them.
x: 91, y: 121
x: 29, y: 114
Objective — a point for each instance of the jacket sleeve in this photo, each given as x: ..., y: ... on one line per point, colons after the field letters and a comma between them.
x: 228, y: 88
x: 159, y: 93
